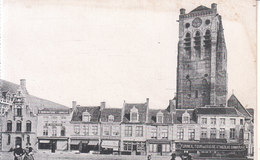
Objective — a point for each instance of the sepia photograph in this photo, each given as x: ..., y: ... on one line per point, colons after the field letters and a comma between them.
x: 124, y: 80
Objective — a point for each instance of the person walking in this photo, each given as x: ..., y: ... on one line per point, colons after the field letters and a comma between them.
x: 173, y: 156
x: 28, y: 152
x: 149, y: 157
x: 18, y: 153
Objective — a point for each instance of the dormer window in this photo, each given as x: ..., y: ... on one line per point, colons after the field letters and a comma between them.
x: 86, y: 117
x: 159, y: 117
x: 110, y: 118
x: 134, y: 115
x: 186, y: 117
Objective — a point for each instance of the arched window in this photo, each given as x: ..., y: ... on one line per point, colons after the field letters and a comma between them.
x: 207, y: 43
x: 187, y: 45
x: 28, y: 126
x: 8, y: 139
x: 19, y: 126
x: 62, y: 131
x: 188, y: 84
x: 197, y: 44
x: 9, y: 126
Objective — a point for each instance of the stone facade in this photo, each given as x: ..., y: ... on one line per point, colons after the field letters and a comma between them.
x: 202, y: 59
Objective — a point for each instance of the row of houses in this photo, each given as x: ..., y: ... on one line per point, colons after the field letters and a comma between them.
x: 134, y: 129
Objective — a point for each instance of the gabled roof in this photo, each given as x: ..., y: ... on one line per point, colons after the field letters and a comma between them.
x: 200, y: 8
x: 177, y: 117
x: 94, y: 111
x: 142, y: 109
x: 251, y: 111
x: 33, y: 101
x: 234, y: 102
x: 217, y: 111
x: 167, y: 118
x: 116, y: 112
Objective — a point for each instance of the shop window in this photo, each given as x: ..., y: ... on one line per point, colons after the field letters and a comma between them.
x: 153, y: 148
x: 166, y: 148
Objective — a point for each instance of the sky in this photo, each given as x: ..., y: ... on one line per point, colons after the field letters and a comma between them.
x: 115, y: 50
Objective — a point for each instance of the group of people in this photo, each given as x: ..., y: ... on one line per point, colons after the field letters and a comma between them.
x: 185, y: 156
x: 23, y: 154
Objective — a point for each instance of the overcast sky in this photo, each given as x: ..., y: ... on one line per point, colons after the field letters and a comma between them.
x: 114, y: 50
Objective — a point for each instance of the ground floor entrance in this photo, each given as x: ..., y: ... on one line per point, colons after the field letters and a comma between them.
x: 133, y: 148
x: 84, y: 145
x: 52, y: 144
x: 159, y: 147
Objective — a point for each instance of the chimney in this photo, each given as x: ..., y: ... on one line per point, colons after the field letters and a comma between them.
x: 102, y: 105
x: 172, y: 106
x: 23, y: 83
x: 123, y: 111
x: 74, y: 104
x: 182, y: 11
x: 214, y: 6
x: 147, y: 111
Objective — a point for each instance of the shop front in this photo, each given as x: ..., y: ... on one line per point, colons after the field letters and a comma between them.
x: 133, y: 148
x: 159, y: 147
x: 53, y: 144
x: 211, y: 149
x: 84, y: 145
x: 110, y: 146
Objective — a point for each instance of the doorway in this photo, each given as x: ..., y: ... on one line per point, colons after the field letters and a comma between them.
x: 18, y: 141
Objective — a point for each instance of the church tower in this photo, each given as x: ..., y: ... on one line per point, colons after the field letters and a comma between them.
x: 202, y: 59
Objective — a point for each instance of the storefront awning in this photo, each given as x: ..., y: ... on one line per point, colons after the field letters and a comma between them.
x: 93, y: 143
x: 158, y: 141
x: 75, y: 142
x: 44, y: 141
x: 110, y: 144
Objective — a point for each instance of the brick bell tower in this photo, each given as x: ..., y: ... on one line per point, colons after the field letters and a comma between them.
x: 202, y: 59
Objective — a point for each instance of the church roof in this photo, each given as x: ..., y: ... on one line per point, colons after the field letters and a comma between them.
x: 234, y: 102
x: 200, y: 8
x: 33, y: 101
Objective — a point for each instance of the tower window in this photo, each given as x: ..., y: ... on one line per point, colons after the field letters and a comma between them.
x: 187, y: 45
x: 197, y: 44
x: 196, y: 93
x: 187, y: 25
x: 207, y: 43
x: 207, y: 22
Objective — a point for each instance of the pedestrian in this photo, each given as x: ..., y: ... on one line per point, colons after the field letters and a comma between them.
x: 149, y: 157
x: 18, y: 153
x: 173, y: 156
x: 28, y: 152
